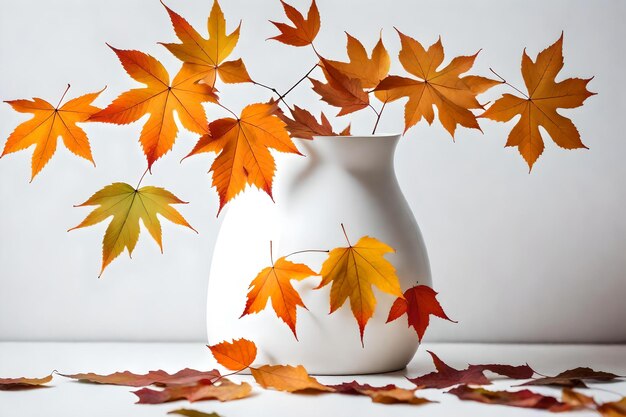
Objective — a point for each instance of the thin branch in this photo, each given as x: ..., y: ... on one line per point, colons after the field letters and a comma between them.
x: 63, y: 96
x: 299, y: 81
x: 510, y: 85
x: 141, y: 179
x: 378, y: 117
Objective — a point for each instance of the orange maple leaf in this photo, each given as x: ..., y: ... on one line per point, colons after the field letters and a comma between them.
x: 453, y: 95
x: 243, y: 147
x: 287, y: 378
x: 47, y: 124
x: 341, y: 90
x: 302, y: 124
x: 208, y: 54
x: 353, y: 270
x: 160, y: 99
x: 275, y: 282
x: 539, y: 107
x: 418, y: 304
x: 304, y: 31
x: 236, y: 355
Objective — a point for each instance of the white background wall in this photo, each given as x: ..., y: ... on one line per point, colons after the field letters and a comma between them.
x: 516, y: 257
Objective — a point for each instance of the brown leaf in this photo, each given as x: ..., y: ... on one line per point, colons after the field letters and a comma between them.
x: 613, y: 409
x: 161, y: 378
x: 287, y: 378
x: 387, y: 394
x: 574, y: 378
x: 341, y: 90
x: 236, y: 355
x: 192, y: 413
x: 225, y: 390
x: 15, y: 384
x: 524, y: 398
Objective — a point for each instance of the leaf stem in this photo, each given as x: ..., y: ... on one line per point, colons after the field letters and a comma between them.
x: 378, y: 117
x: 510, y: 85
x: 307, y: 251
x: 141, y: 179
x: 63, y: 96
x: 346, y: 235
x: 228, y: 110
x: 213, y: 381
x: 271, y: 253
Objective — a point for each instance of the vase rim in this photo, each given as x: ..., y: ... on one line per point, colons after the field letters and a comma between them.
x: 365, y: 137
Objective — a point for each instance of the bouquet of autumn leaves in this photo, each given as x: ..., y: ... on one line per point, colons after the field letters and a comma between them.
x: 243, y: 140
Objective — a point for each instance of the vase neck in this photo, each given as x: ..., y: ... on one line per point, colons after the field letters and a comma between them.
x: 351, y: 152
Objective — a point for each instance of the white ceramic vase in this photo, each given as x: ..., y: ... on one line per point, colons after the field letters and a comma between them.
x: 349, y: 180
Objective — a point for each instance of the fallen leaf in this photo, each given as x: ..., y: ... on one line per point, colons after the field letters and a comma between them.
x: 160, y: 99
x: 418, y: 304
x: 353, y: 270
x: 524, y: 398
x: 208, y: 54
x: 453, y: 95
x: 16, y: 384
x: 160, y: 378
x: 192, y: 413
x: 225, y: 390
x: 275, y: 282
x: 447, y: 376
x: 287, y: 378
x: 127, y: 206
x: 574, y: 378
x: 243, y: 152
x: 47, y: 124
x: 387, y: 394
x: 577, y: 399
x: 340, y: 91
x: 236, y: 355
x: 613, y: 409
x: 304, y: 31
x: 369, y: 70
x: 539, y: 108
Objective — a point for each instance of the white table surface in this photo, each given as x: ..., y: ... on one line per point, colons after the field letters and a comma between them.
x: 68, y: 398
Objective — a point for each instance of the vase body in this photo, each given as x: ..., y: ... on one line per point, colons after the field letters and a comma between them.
x: 340, y: 180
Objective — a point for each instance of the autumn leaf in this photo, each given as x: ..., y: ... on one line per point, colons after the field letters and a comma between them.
x: 160, y: 99
x: 454, y: 96
x: 159, y: 378
x: 275, y: 282
x: 208, y: 55
x: 304, y: 31
x: 340, y: 91
x: 47, y: 124
x: 369, y: 70
x: 574, y: 378
x: 128, y: 205
x: 236, y: 355
x: 225, y: 390
x: 613, y: 409
x: 577, y: 399
x: 16, y: 384
x: 387, y: 394
x: 243, y: 152
x: 287, y: 378
x: 524, y: 398
x: 539, y: 107
x: 302, y: 124
x: 192, y: 413
x: 447, y: 376
x: 418, y: 304
x: 353, y: 270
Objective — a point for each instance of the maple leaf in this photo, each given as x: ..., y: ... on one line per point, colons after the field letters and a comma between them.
x: 128, y: 205
x: 574, y: 378
x: 447, y: 376
x: 275, y: 282
x: 524, y: 398
x: 208, y: 55
x: 539, y: 107
x: 369, y: 70
x: 160, y: 99
x: 225, y: 390
x: 287, y: 378
x: 47, y: 124
x: 304, y: 31
x: 236, y: 355
x: 243, y: 150
x: 340, y: 91
x: 453, y: 95
x: 387, y: 394
x: 613, y: 409
x: 418, y: 304
x: 353, y: 270
x: 192, y: 413
x: 302, y: 124
x: 160, y: 378
x: 16, y: 384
